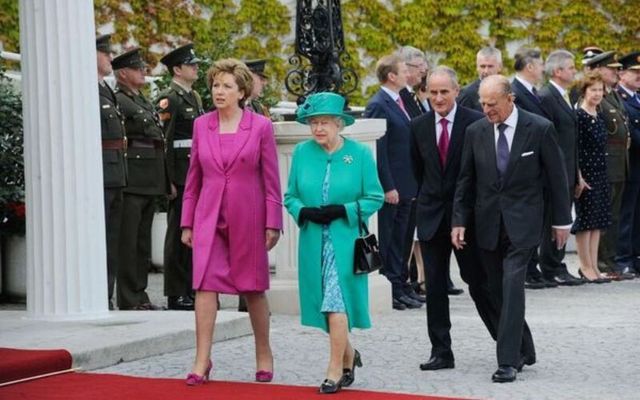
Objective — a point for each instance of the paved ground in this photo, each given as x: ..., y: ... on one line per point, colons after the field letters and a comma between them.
x: 586, y: 341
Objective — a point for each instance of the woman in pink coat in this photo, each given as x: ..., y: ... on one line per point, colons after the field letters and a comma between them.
x: 231, y: 213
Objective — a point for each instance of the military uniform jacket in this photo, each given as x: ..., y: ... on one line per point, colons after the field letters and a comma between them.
x: 633, y: 110
x: 178, y: 109
x: 114, y: 167
x: 256, y: 106
x: 145, y: 153
x: 616, y: 122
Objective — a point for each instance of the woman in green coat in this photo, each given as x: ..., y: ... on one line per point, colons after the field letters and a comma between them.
x: 331, y: 178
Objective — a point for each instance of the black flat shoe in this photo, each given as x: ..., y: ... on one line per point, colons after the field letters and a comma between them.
x: 328, y: 386
x: 436, y: 363
x: 349, y: 375
x: 505, y: 373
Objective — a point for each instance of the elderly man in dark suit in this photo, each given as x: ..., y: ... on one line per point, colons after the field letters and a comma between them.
x: 507, y: 158
x: 560, y: 67
x: 436, y: 148
x: 628, y: 256
x: 488, y: 62
x: 396, y: 176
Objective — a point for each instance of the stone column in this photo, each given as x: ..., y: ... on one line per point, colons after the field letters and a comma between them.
x: 66, y: 255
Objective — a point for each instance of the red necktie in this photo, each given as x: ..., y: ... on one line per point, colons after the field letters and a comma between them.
x: 443, y: 143
x: 401, y: 105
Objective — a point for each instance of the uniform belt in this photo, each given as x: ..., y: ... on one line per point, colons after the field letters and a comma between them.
x: 146, y: 144
x: 622, y: 142
x: 182, y: 144
x: 114, y: 144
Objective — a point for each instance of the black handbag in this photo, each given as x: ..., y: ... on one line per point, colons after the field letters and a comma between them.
x: 366, y: 255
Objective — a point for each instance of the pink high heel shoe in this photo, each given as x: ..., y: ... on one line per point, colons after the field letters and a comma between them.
x: 264, y: 376
x: 195, y: 379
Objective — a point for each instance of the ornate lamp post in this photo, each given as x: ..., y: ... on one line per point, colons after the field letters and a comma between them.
x: 319, y: 39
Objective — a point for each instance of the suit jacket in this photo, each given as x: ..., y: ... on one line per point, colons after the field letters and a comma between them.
x: 633, y: 110
x: 114, y: 166
x: 469, y: 97
x: 250, y: 187
x: 525, y: 100
x: 392, y: 149
x: 517, y: 198
x: 437, y: 185
x: 411, y: 104
x: 616, y: 122
x: 564, y: 121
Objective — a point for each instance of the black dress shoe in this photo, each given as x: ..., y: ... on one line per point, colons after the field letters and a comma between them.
x: 627, y: 273
x: 180, y: 303
x: 328, y: 386
x: 409, y: 302
x: 416, y: 296
x: 111, y: 306
x: 550, y: 283
x: 534, y: 282
x: 398, y: 306
x: 454, y: 291
x: 566, y: 279
x: 436, y: 363
x: 525, y: 360
x: 505, y: 373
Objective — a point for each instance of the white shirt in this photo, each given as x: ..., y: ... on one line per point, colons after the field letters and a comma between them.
x: 450, y: 117
x: 558, y: 87
x: 629, y: 92
x: 394, y: 95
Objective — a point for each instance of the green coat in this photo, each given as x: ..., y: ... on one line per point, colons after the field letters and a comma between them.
x: 353, y: 177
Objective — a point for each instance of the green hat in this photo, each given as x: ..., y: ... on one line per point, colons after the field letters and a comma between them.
x: 129, y: 59
x: 103, y: 43
x: 179, y: 56
x: 257, y: 67
x: 607, y: 59
x: 325, y: 103
x: 631, y: 60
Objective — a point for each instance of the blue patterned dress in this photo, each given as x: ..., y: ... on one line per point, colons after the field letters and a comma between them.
x: 332, y: 295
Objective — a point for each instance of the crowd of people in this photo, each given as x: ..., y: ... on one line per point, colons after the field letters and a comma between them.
x: 488, y: 173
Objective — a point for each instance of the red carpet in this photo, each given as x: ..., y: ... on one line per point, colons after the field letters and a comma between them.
x: 83, y: 386
x: 18, y: 363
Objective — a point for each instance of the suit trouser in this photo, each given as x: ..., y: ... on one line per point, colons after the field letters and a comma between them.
x: 551, y: 258
x: 113, y: 221
x: 506, y: 268
x: 629, y: 232
x: 408, y: 243
x: 135, y: 249
x: 437, y: 256
x: 609, y: 241
x: 392, y: 225
x: 177, y: 257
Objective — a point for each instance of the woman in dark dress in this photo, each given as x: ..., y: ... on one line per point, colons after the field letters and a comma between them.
x: 593, y: 206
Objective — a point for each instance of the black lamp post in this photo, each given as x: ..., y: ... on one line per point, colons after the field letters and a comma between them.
x: 319, y: 39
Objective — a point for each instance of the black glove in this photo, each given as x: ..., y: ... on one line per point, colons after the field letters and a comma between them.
x: 334, y: 211
x: 313, y: 214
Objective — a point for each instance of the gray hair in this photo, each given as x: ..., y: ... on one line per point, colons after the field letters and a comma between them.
x: 500, y: 81
x: 446, y: 71
x: 525, y: 56
x: 490, y: 52
x: 557, y: 60
x: 408, y: 53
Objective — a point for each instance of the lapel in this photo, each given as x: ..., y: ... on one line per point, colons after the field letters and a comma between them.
x: 489, y: 144
x: 242, y: 137
x: 187, y: 97
x: 561, y: 101
x: 431, y: 141
x: 394, y: 107
x: 520, y: 138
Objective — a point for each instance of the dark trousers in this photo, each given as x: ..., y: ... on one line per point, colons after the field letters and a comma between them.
x: 135, y: 250
x: 437, y: 256
x: 609, y: 241
x: 551, y: 258
x: 113, y: 222
x: 408, y: 244
x: 506, y: 269
x: 629, y: 233
x: 393, y: 220
x: 177, y: 257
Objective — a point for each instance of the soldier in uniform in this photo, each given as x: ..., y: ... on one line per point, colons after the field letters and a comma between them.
x: 114, y: 145
x: 147, y: 178
x: 615, y: 117
x: 178, y: 107
x: 259, y: 82
x: 628, y: 255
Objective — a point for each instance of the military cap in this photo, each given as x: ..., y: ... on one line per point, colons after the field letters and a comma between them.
x: 179, y: 56
x: 631, y: 60
x: 129, y: 59
x: 257, y: 67
x: 607, y: 59
x: 590, y: 52
x: 103, y: 43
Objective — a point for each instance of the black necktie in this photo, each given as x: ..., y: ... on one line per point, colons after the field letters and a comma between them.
x: 535, y: 93
x: 502, y: 151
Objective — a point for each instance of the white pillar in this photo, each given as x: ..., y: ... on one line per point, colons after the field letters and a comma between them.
x: 66, y: 255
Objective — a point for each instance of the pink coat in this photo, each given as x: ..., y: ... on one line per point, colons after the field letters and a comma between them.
x: 251, y: 184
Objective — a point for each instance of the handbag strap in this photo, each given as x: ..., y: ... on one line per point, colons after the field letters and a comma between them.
x: 361, y: 226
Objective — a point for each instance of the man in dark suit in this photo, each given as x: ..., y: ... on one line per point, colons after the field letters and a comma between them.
x: 507, y: 158
x: 396, y: 176
x: 113, y: 163
x: 436, y: 147
x: 560, y: 67
x: 529, y: 73
x: 178, y: 107
x: 417, y: 68
x: 628, y: 256
x: 488, y: 62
